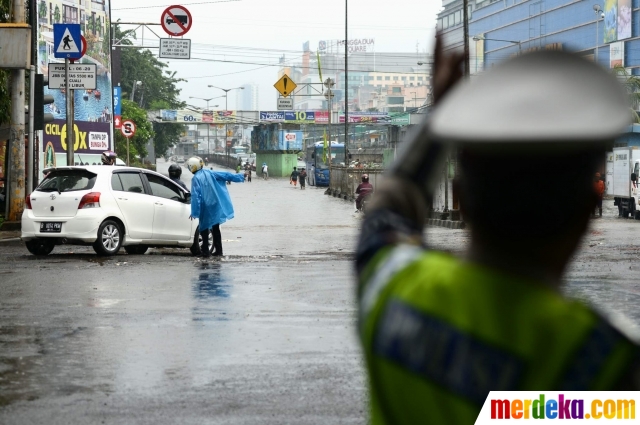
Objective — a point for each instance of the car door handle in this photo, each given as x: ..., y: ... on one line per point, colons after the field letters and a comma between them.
x: 159, y: 203
x: 123, y: 199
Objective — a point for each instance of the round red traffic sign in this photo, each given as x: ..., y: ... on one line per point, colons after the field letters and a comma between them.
x: 128, y: 128
x: 176, y: 20
x: 83, y: 50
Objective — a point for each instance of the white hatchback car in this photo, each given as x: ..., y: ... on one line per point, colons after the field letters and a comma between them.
x: 109, y: 207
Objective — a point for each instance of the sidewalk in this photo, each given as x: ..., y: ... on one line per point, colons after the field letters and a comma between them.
x: 9, y: 235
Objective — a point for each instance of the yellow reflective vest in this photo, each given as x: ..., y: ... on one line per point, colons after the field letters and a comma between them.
x: 440, y: 333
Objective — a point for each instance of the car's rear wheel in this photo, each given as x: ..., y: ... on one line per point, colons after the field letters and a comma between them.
x: 196, y: 248
x: 109, y: 238
x: 136, y: 249
x: 40, y: 247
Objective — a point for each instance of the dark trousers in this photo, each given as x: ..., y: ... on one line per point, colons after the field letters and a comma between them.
x: 217, y: 240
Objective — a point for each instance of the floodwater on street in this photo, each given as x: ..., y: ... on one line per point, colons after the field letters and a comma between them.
x: 264, y: 335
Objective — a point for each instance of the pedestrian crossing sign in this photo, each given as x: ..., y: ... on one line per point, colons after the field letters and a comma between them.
x: 67, y: 41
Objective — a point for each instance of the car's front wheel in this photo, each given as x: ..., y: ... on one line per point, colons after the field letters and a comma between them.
x: 40, y: 247
x: 136, y: 249
x: 196, y: 248
x: 109, y: 238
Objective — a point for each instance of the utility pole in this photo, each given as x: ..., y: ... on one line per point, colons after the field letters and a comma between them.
x: 16, y: 187
x: 346, y: 90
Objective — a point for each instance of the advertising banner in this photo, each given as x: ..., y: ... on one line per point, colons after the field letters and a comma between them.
x: 271, y: 116
x: 186, y: 116
x: 91, y: 106
x: 617, y: 20
x: 322, y: 117
x: 365, y: 117
x: 91, y: 138
x: 299, y: 117
x: 403, y: 119
x: 616, y: 56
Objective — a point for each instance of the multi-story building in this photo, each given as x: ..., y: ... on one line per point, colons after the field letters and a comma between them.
x: 370, y: 74
x: 601, y: 30
x: 247, y: 99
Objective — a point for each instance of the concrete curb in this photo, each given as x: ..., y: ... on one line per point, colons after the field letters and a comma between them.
x: 449, y: 224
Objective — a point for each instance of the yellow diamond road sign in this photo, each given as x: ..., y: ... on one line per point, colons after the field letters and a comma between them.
x: 285, y: 85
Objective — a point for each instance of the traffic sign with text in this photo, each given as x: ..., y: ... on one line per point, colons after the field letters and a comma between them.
x: 128, y: 128
x: 81, y: 76
x: 285, y: 103
x: 175, y: 48
x: 285, y: 85
x: 176, y: 20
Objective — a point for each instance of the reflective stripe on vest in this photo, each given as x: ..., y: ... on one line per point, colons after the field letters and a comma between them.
x: 441, y: 353
x: 398, y: 259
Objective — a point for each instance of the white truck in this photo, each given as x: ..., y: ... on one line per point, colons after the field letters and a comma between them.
x: 626, y: 167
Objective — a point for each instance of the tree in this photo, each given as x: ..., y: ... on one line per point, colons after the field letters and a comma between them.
x: 5, y: 94
x: 632, y: 85
x: 166, y: 134
x: 42, y: 10
x: 144, y: 131
x: 158, y: 84
x: 56, y: 15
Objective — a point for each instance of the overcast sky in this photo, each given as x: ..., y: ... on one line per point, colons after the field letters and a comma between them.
x: 257, y: 32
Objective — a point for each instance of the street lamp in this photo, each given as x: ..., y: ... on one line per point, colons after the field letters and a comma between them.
x: 481, y: 37
x: 208, y: 125
x: 598, y: 11
x: 226, y: 98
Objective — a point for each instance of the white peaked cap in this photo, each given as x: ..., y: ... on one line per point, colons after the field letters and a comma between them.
x: 545, y: 98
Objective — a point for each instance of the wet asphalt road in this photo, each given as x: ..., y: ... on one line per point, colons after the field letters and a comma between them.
x: 265, y: 335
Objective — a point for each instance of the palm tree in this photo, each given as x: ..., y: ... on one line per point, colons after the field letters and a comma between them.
x: 632, y: 84
x: 42, y: 10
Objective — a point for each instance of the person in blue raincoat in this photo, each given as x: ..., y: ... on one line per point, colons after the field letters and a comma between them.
x: 210, y: 201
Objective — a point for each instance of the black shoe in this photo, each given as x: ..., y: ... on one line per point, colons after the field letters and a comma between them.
x: 216, y: 254
x: 207, y: 255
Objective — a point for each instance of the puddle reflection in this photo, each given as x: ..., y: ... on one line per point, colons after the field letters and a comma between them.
x: 208, y: 288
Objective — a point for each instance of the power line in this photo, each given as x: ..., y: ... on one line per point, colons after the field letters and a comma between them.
x: 167, y: 5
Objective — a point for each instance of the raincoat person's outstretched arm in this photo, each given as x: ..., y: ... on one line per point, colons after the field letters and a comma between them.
x: 229, y: 177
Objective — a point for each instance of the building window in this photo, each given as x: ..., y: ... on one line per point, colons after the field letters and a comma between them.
x: 379, y: 78
x: 412, y: 78
x: 399, y: 100
x: 387, y: 78
x: 396, y: 90
x: 403, y: 78
x: 70, y: 14
x: 419, y: 78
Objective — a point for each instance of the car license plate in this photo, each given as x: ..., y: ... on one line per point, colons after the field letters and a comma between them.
x: 49, y: 227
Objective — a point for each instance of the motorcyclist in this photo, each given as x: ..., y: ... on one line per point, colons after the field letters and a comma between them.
x: 108, y: 158
x: 363, y: 190
x: 174, y: 174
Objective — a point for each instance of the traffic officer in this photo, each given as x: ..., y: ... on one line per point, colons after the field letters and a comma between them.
x: 440, y: 331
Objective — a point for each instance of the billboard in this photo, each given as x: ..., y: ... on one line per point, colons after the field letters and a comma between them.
x: 92, y: 108
x: 187, y: 116
x: 366, y: 117
x: 616, y: 54
x: 617, y: 20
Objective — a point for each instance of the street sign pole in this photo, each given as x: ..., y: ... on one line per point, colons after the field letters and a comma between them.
x: 69, y: 94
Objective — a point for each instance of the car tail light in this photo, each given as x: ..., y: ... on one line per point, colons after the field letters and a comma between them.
x: 90, y: 200
x: 27, y: 202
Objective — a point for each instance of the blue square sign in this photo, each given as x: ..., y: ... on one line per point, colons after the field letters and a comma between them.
x: 67, y: 41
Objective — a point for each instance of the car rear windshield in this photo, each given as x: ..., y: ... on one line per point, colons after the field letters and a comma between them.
x: 67, y: 181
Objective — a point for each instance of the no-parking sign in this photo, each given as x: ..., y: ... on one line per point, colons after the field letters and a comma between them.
x: 176, y: 20
x: 128, y: 128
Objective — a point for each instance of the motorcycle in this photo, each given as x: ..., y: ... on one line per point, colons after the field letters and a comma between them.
x: 363, y: 203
